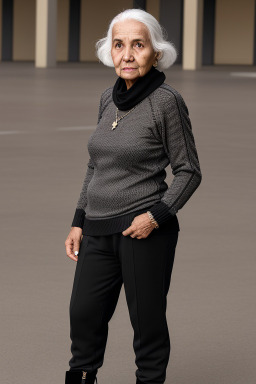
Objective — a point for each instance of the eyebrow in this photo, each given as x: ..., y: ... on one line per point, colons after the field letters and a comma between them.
x: 132, y: 40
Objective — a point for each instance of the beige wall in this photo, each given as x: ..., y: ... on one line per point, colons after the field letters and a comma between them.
x: 24, y: 30
x: 94, y: 23
x: 0, y: 30
x: 62, y: 30
x: 192, y: 34
x: 234, y: 29
x: 153, y: 7
x: 24, y: 17
x: 234, y: 32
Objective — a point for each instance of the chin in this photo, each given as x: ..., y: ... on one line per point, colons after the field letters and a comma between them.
x: 128, y: 75
x: 124, y: 76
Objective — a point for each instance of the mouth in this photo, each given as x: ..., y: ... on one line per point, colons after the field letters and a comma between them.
x: 129, y: 69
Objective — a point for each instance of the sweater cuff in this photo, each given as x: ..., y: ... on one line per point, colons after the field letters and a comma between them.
x: 78, y: 220
x: 161, y: 212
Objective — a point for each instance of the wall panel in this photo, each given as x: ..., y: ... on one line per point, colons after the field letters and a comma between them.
x: 153, y: 7
x: 1, y: 30
x: 24, y: 18
x: 171, y: 18
x: 234, y: 32
x: 7, y: 30
x: 95, y: 18
x: 62, y: 30
x: 208, y: 31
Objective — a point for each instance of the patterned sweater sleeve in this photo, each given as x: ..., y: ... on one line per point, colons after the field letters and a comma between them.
x: 179, y: 145
x: 78, y: 219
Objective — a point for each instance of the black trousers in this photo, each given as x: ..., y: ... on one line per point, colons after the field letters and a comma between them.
x: 144, y: 266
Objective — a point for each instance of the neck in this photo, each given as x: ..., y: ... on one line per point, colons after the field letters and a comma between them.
x: 129, y: 83
x: 129, y: 92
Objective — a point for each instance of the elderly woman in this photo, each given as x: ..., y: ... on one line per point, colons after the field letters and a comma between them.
x: 125, y: 227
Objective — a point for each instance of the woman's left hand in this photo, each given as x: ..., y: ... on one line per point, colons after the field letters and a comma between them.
x: 140, y: 228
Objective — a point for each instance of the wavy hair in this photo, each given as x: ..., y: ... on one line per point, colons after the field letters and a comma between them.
x: 158, y: 36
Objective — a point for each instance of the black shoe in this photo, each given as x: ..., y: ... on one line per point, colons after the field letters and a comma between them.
x: 81, y: 377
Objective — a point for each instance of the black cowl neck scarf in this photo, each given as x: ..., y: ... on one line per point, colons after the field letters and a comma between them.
x: 126, y: 99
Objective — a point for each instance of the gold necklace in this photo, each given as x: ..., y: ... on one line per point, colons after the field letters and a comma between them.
x: 115, y: 122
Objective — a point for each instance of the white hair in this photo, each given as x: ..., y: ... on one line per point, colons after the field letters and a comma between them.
x: 158, y: 36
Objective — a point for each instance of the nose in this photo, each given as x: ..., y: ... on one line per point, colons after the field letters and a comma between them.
x: 128, y: 54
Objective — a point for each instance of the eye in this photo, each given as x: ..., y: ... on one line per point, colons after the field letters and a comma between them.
x: 117, y: 44
x: 140, y: 44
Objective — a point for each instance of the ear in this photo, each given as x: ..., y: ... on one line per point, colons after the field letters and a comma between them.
x: 158, y: 55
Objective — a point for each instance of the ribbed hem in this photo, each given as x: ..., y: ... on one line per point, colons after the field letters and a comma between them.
x: 97, y: 227
x: 78, y: 220
x: 109, y: 226
x: 161, y: 212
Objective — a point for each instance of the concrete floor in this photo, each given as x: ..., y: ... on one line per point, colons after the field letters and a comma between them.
x: 46, y: 119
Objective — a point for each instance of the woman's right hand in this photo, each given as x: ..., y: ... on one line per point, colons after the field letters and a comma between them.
x: 72, y: 242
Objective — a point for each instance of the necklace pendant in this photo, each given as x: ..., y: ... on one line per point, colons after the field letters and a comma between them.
x: 114, y: 124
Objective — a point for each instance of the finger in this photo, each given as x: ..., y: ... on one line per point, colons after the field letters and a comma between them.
x: 75, y: 258
x: 128, y: 231
x: 144, y: 234
x: 72, y: 256
x: 76, y: 247
x: 69, y: 250
x: 69, y: 247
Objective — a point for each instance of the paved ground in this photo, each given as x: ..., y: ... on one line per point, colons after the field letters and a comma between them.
x: 46, y: 119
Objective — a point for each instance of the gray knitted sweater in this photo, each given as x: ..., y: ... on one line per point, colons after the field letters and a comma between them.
x: 126, y: 168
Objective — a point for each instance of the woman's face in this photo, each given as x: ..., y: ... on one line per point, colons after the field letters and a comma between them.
x: 132, y: 52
